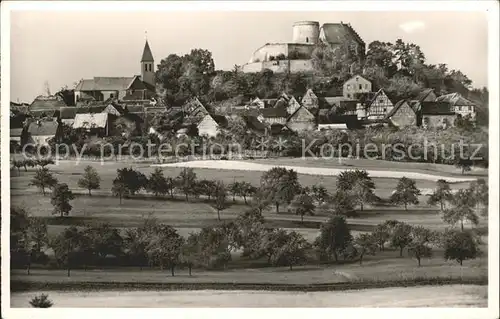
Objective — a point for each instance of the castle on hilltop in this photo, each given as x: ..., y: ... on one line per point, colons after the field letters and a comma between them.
x: 295, y: 56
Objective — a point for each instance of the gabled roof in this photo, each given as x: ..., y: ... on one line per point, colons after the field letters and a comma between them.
x: 221, y: 120
x: 254, y: 124
x: 436, y: 108
x: 357, y: 76
x: 366, y: 98
x: 194, y: 108
x: 397, y: 107
x: 454, y: 99
x: 43, y: 128
x: 310, y: 94
x: 301, y: 109
x: 47, y: 103
x: 105, y: 84
x: 44, y: 113
x: 335, y: 32
x: 147, y: 56
x: 89, y: 120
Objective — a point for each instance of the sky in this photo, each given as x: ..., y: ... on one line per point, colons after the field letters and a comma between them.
x: 60, y: 48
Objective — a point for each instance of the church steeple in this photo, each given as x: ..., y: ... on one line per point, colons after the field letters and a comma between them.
x: 147, y: 65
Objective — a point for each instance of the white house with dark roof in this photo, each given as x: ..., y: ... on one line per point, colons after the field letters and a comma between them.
x: 40, y: 132
x: 140, y: 87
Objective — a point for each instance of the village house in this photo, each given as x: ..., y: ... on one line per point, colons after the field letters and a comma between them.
x: 402, y: 115
x: 301, y: 120
x: 193, y: 108
x: 293, y: 106
x: 435, y: 115
x: 355, y: 85
x: 95, y: 124
x: 377, y: 105
x: 40, y: 132
x: 16, y: 135
x: 134, y: 87
x: 210, y: 125
x: 67, y: 115
x: 459, y: 104
x: 46, y: 106
x: 340, y: 105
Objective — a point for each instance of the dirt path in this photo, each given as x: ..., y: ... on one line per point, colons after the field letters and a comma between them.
x: 248, y: 166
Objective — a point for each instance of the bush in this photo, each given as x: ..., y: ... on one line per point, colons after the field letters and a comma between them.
x: 41, y: 301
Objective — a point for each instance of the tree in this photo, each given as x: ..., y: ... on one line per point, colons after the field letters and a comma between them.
x: 214, y: 247
x: 207, y: 187
x: 235, y: 189
x: 320, y: 194
x: 41, y: 301
x: 381, y: 235
x: 43, y: 179
x: 251, y: 230
x: 334, y: 237
x: 220, y: 198
x: 157, y: 183
x: 90, y: 179
x: 419, y: 246
x: 104, y: 240
x: 406, y: 192
x: 365, y: 244
x: 60, y: 198
x: 186, y: 181
x: 358, y: 184
x: 67, y: 247
x: 135, y: 244
x: 37, y: 234
x: 165, y: 247
x: 292, y: 251
x: 280, y: 185
x: 401, y: 237
x: 462, y: 209
x: 341, y: 203
x: 480, y: 191
x: 191, y: 253
x: 170, y: 186
x: 464, y: 163
x: 119, y: 189
x: 260, y: 201
x: 246, y: 189
x: 460, y: 246
x: 302, y: 205
x: 441, y: 194
x: 131, y: 179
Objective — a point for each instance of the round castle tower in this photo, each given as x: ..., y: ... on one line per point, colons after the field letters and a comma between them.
x: 306, y: 32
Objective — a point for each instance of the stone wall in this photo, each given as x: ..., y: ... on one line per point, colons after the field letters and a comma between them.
x: 281, y: 66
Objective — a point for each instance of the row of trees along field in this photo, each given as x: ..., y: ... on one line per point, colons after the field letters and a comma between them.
x: 278, y: 187
x: 158, y: 245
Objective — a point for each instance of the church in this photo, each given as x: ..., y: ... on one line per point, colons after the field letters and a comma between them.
x: 132, y: 88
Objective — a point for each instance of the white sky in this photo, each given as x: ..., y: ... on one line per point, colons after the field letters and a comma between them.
x: 63, y: 47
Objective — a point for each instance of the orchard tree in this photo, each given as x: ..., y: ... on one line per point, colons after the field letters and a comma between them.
x: 191, y: 251
x: 280, y: 185
x: 302, y: 205
x: 365, y: 244
x: 120, y: 189
x: 441, y: 194
x: 358, y: 184
x: 462, y: 209
x: 186, y: 181
x: 401, y: 237
x: 157, y: 183
x: 43, y: 179
x: 207, y: 187
x: 90, y: 179
x: 320, y: 194
x: 260, y: 201
x: 420, y: 245
x: 334, y: 237
x: 220, y: 198
x: 460, y: 246
x: 132, y: 179
x: 235, y: 189
x: 381, y: 235
x: 67, y: 246
x: 480, y: 191
x: 165, y: 247
x: 406, y: 192
x: 60, y: 198
x: 246, y: 189
x: 292, y: 251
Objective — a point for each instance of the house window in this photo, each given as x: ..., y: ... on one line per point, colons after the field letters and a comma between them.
x: 381, y: 100
x: 361, y: 86
x: 145, y: 67
x: 349, y: 87
x: 307, y: 39
x: 348, y: 95
x: 366, y: 86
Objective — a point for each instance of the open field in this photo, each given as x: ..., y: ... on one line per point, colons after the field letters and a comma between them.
x: 437, y: 296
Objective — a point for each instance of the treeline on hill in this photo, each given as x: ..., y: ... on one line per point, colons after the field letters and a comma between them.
x: 155, y: 244
x: 399, y: 68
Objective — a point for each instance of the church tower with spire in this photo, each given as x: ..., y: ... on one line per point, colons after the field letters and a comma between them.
x: 147, y: 66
